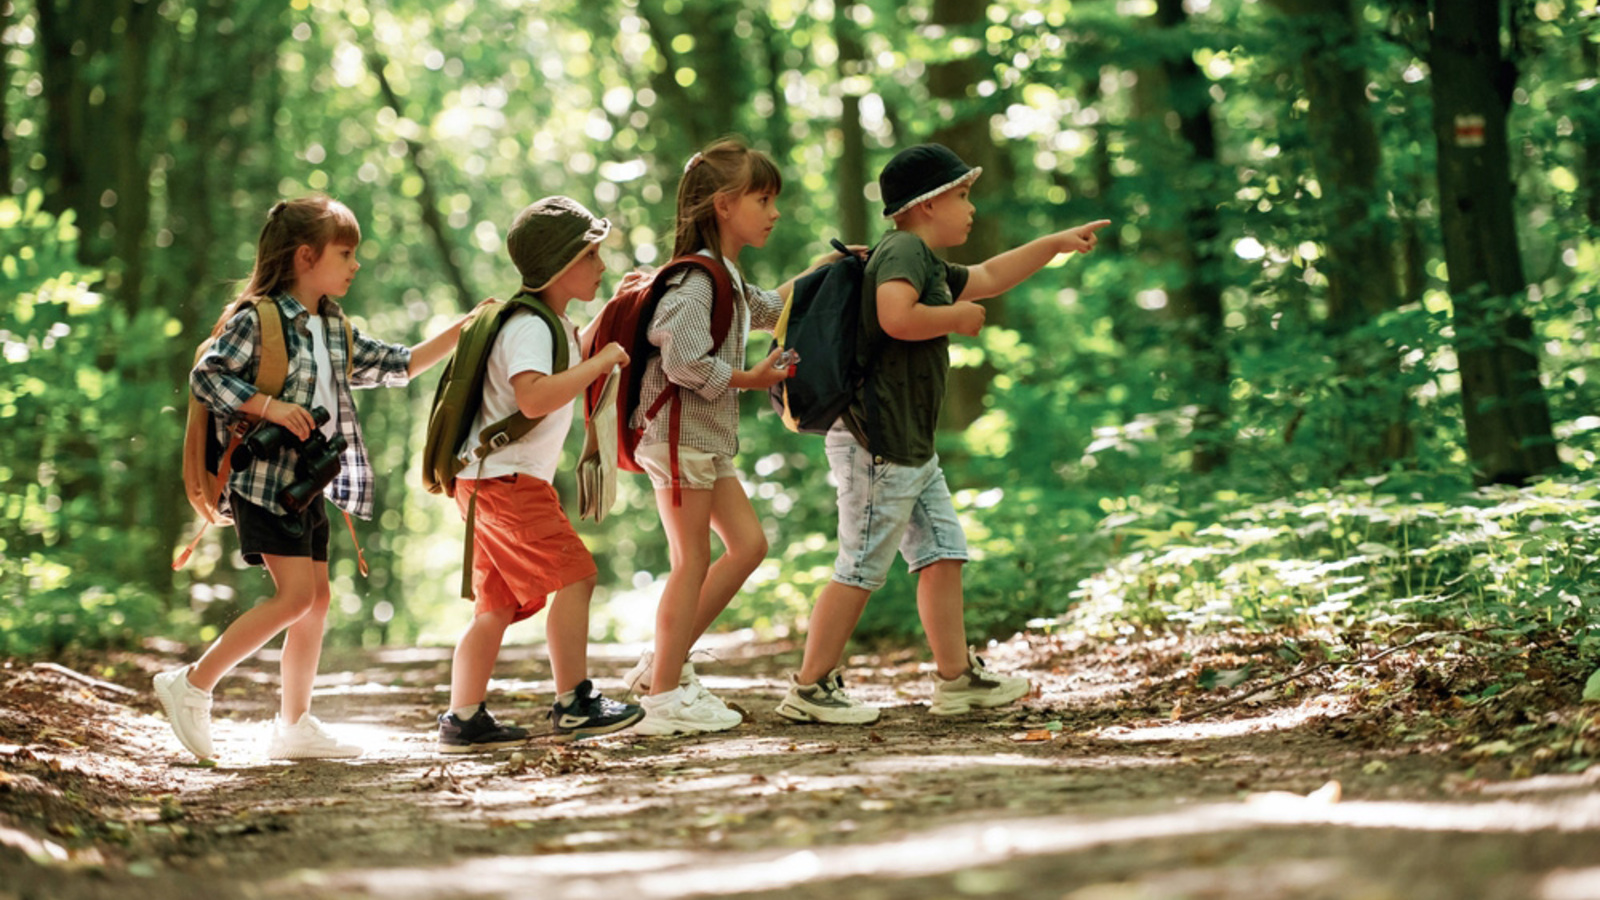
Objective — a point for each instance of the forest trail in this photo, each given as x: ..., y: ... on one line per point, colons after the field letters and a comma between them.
x: 1091, y: 790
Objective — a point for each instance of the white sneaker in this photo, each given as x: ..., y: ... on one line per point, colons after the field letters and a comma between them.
x: 825, y: 702
x: 188, y: 709
x: 637, y: 681
x: 711, y: 704
x: 976, y: 688
x: 681, y: 711
x: 307, y: 739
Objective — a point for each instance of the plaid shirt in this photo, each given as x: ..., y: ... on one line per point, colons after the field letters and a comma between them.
x: 224, y: 379
x: 681, y: 327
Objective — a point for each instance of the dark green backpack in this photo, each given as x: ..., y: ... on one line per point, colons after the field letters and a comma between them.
x: 460, y: 394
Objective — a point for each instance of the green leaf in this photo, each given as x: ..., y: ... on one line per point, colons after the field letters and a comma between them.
x: 1591, y: 691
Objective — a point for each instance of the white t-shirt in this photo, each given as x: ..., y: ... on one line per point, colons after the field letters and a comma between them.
x: 324, y: 395
x: 524, y: 344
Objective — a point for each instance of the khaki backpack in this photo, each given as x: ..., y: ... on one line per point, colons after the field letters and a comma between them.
x: 459, y: 396
x: 206, y: 463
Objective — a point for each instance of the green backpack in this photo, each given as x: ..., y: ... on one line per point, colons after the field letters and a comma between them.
x: 459, y: 396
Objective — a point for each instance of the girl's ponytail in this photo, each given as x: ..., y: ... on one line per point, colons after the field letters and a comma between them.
x: 726, y: 167
x: 315, y: 221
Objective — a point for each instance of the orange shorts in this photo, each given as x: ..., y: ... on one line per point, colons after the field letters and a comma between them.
x: 525, y: 548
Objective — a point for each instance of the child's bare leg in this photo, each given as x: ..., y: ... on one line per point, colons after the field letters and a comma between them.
x: 566, y: 633
x: 688, y: 530
x: 302, y: 650
x: 296, y: 580
x: 940, y: 604
x: 476, y: 652
x: 833, y: 619
x: 735, y: 521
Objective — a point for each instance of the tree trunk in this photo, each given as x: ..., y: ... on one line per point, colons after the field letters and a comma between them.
x: 1591, y: 139
x: 851, y: 173
x: 1509, y: 438
x: 5, y: 79
x: 966, y: 131
x: 1198, y: 304
x: 428, y: 197
x: 1360, y: 264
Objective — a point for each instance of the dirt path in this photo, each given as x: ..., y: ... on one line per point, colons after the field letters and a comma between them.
x: 1109, y: 799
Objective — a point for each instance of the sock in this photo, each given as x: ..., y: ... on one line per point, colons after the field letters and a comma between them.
x: 567, y: 698
x: 465, y: 712
x: 664, y: 699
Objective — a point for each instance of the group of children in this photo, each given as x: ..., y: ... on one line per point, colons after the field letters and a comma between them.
x: 891, y: 490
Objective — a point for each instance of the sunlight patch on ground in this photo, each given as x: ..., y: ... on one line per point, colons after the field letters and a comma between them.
x: 1282, y: 720
x: 655, y: 874
x: 1582, y: 884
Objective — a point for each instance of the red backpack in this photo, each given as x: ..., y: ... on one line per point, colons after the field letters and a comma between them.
x: 626, y: 320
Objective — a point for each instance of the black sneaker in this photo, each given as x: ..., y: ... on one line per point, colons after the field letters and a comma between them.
x: 590, y: 714
x: 478, y: 734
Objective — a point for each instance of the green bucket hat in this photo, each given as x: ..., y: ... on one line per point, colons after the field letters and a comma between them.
x: 546, y: 238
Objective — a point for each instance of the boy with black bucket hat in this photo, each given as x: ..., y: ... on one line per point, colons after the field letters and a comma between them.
x: 891, y: 491
x: 524, y: 546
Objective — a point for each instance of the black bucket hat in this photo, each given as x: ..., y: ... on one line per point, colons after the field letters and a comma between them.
x: 546, y: 238
x: 921, y: 173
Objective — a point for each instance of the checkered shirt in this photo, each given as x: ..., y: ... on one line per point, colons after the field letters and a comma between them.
x: 224, y: 379
x: 681, y: 328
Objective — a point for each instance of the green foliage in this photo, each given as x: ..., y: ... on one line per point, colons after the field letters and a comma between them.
x: 62, y: 439
x: 1089, y: 416
x: 1513, y: 562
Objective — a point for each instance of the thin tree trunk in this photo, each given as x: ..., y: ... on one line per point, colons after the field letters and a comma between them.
x: 967, y: 133
x: 1591, y: 139
x: 5, y: 79
x: 428, y: 197
x: 1507, y: 418
x: 1360, y: 264
x: 1199, y: 303
x: 851, y: 173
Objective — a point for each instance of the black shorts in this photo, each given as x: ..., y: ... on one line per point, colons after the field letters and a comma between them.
x: 296, y: 534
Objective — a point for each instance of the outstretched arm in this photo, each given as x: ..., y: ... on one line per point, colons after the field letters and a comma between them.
x: 998, y: 274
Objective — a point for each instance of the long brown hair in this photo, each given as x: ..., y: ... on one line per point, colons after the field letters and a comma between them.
x: 314, y: 221
x: 727, y: 167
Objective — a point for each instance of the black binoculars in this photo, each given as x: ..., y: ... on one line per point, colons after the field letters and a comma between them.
x: 316, y: 464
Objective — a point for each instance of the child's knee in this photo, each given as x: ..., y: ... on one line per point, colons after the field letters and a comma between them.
x: 750, y: 552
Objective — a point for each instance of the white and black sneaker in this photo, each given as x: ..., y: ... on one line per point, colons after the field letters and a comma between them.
x: 479, y: 733
x: 590, y: 714
x: 825, y: 702
x: 976, y: 688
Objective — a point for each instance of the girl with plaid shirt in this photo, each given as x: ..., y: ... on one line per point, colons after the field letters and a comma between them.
x: 305, y: 257
x: 727, y: 201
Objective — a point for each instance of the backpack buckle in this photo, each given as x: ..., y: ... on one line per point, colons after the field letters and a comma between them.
x: 498, y: 440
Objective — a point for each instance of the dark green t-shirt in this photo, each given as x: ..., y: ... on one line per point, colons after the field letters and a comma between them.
x: 907, y: 377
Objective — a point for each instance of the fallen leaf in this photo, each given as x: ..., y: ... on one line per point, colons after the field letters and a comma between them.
x: 1034, y: 736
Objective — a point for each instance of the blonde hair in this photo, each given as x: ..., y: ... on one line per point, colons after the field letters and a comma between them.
x: 315, y: 222
x: 728, y: 167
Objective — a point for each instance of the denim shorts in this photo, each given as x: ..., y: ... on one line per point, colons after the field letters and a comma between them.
x: 882, y: 506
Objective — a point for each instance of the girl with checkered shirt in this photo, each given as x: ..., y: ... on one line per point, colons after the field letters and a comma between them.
x: 305, y: 258
x: 727, y: 201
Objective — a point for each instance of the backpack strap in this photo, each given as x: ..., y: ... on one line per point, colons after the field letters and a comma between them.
x: 509, y: 429
x: 721, y: 323
x: 272, y: 369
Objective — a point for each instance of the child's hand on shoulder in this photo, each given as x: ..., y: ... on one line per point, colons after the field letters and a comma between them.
x: 971, y: 317
x: 1083, y: 238
x: 295, y: 418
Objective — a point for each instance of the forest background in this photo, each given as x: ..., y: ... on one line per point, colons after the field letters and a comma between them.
x: 1329, y: 364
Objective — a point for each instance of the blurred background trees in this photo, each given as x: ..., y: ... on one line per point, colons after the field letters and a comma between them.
x: 1352, y: 240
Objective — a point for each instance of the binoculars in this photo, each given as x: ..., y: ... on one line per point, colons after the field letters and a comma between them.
x: 316, y: 463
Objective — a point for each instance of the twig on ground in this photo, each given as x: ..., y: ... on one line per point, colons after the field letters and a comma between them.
x: 87, y: 680
x: 1325, y: 664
